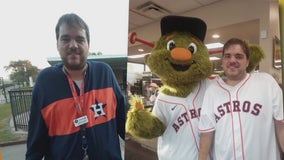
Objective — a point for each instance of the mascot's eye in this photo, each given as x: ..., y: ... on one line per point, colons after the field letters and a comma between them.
x: 192, y: 47
x: 171, y: 45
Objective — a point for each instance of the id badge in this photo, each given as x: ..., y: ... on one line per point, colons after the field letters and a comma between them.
x: 80, y: 121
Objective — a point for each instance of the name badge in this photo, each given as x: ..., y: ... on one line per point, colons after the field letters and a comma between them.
x: 80, y: 121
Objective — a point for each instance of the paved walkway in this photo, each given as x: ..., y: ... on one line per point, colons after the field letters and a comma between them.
x: 14, y: 152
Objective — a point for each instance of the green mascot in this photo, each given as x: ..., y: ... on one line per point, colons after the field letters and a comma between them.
x: 181, y: 60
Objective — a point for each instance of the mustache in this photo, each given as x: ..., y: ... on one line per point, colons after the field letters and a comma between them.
x: 73, y: 51
x: 233, y: 64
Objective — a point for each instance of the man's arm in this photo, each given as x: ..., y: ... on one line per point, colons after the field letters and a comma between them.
x: 37, y: 141
x: 279, y: 126
x: 206, y: 140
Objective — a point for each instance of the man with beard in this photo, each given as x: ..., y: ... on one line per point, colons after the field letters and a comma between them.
x: 242, y: 115
x: 78, y: 109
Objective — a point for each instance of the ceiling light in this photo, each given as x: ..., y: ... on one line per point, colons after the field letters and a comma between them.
x: 141, y: 50
x: 138, y: 56
x: 214, y: 45
x: 215, y: 36
x: 214, y: 58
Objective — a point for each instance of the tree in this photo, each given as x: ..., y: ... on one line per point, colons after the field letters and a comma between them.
x: 21, y: 70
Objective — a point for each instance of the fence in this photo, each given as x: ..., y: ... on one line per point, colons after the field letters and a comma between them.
x: 20, y: 102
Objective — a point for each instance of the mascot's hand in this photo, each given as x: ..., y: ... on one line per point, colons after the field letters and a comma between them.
x: 141, y: 123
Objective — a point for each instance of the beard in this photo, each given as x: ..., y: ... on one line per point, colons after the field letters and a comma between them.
x: 72, y: 63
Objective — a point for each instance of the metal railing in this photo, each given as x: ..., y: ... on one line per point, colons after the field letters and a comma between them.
x: 20, y: 103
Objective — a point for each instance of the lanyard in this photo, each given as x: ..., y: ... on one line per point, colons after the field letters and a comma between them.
x: 79, y: 100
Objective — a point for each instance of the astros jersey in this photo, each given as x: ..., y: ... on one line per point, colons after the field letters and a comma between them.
x: 180, y: 140
x: 54, y: 134
x: 242, y: 117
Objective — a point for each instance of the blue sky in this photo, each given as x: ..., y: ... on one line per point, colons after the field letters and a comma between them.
x: 27, y: 28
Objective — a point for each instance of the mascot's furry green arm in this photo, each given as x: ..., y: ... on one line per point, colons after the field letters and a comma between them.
x: 141, y: 122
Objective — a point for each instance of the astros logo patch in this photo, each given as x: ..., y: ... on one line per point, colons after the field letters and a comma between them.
x: 98, y: 109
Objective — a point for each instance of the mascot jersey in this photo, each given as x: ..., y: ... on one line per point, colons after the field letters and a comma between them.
x: 54, y: 134
x: 181, y: 116
x: 246, y: 129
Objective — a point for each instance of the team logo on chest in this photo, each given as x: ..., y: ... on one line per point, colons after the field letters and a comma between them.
x: 98, y: 109
x: 237, y: 107
x: 185, y: 117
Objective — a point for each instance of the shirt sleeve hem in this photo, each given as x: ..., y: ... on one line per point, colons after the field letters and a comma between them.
x: 206, y: 130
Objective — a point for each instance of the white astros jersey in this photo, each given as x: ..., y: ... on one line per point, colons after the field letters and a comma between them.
x: 242, y: 117
x: 180, y: 140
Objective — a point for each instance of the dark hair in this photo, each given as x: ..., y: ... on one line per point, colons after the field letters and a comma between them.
x: 73, y: 20
x: 244, y: 45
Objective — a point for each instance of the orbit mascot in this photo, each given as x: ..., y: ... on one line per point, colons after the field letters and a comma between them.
x: 181, y: 60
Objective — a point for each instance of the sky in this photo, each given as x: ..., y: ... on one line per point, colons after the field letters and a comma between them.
x: 27, y: 29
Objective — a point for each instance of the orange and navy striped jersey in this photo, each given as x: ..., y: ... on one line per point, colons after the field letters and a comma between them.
x: 52, y: 132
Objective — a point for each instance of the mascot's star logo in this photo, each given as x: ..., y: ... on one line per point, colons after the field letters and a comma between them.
x: 98, y: 109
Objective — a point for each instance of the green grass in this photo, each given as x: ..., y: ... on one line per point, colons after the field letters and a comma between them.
x: 6, y: 133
